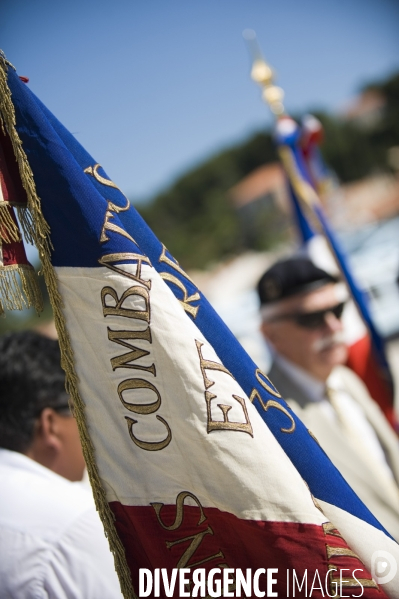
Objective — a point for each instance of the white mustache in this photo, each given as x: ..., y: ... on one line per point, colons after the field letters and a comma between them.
x: 327, y: 342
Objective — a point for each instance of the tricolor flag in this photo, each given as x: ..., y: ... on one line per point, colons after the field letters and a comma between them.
x: 307, y: 174
x: 18, y: 282
x: 195, y: 460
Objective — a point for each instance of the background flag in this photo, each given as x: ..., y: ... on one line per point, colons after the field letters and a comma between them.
x: 184, y: 471
x: 307, y: 176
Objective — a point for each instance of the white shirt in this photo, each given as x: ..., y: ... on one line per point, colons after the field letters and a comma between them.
x: 52, y: 543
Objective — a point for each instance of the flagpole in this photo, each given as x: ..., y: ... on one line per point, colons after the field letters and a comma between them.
x: 263, y: 75
x: 304, y: 195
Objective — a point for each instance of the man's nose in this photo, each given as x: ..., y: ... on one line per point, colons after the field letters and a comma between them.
x: 332, y: 322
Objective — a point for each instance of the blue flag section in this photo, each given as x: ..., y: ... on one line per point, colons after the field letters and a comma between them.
x: 306, y: 173
x: 73, y: 188
x: 287, y: 132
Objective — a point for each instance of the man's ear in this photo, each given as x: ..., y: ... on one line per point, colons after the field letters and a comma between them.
x: 47, y: 429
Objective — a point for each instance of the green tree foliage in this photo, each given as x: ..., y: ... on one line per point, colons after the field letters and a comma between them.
x: 386, y: 133
x: 354, y: 151
x: 348, y: 149
x: 199, y: 225
x: 194, y: 218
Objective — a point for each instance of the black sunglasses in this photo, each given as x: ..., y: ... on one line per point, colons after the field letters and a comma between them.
x: 313, y: 320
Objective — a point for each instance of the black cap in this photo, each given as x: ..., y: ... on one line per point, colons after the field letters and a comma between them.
x: 290, y: 277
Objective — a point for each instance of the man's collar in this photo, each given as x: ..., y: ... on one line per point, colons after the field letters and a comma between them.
x: 21, y: 461
x: 312, y: 387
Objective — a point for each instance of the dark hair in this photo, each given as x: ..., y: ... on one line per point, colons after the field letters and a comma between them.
x: 31, y: 379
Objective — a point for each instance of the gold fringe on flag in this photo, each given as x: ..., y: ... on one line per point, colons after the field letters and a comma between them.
x: 9, y: 230
x: 19, y: 287
x: 19, y: 293
x: 7, y: 118
x: 42, y: 241
x: 26, y: 221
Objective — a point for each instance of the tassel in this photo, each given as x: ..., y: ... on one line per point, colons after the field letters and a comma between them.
x: 26, y: 221
x: 13, y: 193
x: 19, y: 288
x: 9, y: 230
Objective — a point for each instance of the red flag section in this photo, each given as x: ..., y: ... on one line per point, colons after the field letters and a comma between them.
x: 362, y: 361
x: 183, y: 536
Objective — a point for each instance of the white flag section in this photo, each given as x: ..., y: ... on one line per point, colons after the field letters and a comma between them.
x: 185, y: 459
x: 194, y: 428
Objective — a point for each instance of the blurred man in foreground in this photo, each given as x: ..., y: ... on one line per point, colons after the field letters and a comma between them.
x: 301, y: 309
x: 52, y: 543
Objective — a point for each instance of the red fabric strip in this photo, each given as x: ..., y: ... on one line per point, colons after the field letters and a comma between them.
x: 10, y: 179
x: 243, y: 543
x: 361, y: 360
x: 14, y: 253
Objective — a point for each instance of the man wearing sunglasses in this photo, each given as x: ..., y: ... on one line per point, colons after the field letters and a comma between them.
x: 52, y: 543
x: 301, y: 311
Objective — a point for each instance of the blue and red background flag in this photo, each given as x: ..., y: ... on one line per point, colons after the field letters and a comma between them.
x: 307, y: 175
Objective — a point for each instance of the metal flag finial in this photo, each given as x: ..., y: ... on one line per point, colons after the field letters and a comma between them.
x: 263, y: 75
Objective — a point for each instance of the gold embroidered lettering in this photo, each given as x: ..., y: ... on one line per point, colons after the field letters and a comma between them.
x: 339, y: 552
x: 271, y: 403
x: 93, y: 171
x: 118, y: 310
x: 132, y: 384
x: 147, y: 445
x: 226, y: 424
x: 313, y: 437
x: 173, y: 264
x: 179, y: 511
x: 329, y: 529
x: 110, y: 212
x: 124, y: 338
x: 185, y: 302
x: 349, y: 583
x: 109, y: 258
x: 209, y: 365
x: 196, y: 541
x: 136, y: 353
x: 266, y: 384
x: 112, y: 208
x: 274, y: 404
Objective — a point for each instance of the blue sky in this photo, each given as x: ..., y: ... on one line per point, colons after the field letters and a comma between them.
x: 151, y: 87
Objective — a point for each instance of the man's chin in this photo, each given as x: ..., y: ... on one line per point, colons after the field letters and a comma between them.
x: 335, y: 355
